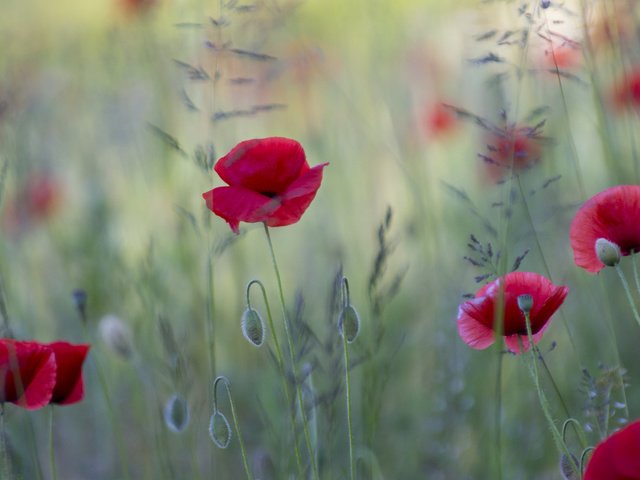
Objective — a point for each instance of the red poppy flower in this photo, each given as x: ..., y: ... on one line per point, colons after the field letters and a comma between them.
x: 69, y: 386
x: 513, y: 149
x: 476, y: 317
x: 611, y: 214
x: 617, y: 457
x: 627, y: 92
x: 27, y: 373
x: 269, y: 181
x: 438, y: 120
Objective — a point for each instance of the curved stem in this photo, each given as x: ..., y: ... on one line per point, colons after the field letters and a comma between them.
x: 287, y: 331
x: 52, y: 453
x: 235, y: 420
x: 627, y: 291
x: 544, y: 403
x: 280, y: 360
x: 352, y: 469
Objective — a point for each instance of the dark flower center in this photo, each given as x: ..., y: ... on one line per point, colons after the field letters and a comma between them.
x: 269, y: 194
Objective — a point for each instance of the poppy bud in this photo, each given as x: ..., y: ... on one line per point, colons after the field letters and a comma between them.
x: 116, y: 335
x: 608, y: 252
x: 177, y: 414
x: 525, y: 303
x: 349, y: 323
x: 219, y: 430
x: 253, y: 327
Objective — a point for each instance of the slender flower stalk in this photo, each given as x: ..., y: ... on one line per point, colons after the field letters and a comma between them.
x: 627, y: 291
x: 348, y: 336
x: 287, y: 331
x: 280, y: 360
x: 52, y: 453
x: 243, y: 451
x: 533, y: 370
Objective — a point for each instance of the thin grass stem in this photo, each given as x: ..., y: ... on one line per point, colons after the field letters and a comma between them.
x: 7, y: 471
x: 352, y: 465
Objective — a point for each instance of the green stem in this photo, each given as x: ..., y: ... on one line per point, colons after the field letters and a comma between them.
x: 287, y: 331
x: 6, y: 470
x: 628, y: 293
x: 243, y: 451
x: 280, y: 361
x: 352, y: 466
x: 52, y: 453
x: 544, y: 403
x: 635, y: 271
x: 498, y: 418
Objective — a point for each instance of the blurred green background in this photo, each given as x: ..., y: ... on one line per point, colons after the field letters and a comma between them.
x: 114, y: 106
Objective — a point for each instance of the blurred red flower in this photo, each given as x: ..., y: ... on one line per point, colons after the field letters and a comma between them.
x: 438, y: 120
x: 38, y: 199
x: 27, y: 373
x: 611, y: 214
x: 476, y: 317
x: 617, y: 457
x: 136, y: 7
x: 69, y: 386
x: 269, y: 181
x: 512, y: 149
x: 626, y: 94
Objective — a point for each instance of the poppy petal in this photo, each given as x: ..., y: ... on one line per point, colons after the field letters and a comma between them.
x: 237, y: 204
x: 472, y: 332
x: 616, y: 457
x: 297, y: 198
x: 611, y: 214
x: 69, y: 384
x: 27, y: 373
x: 266, y: 165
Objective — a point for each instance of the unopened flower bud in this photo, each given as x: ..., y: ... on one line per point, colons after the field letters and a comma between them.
x: 608, y: 252
x: 349, y: 323
x: 116, y: 335
x: 177, y: 414
x: 525, y: 303
x: 253, y: 327
x: 219, y: 430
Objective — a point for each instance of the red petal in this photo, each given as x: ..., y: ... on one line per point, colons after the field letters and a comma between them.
x: 69, y: 385
x: 267, y: 165
x: 611, y: 214
x: 472, y: 332
x: 27, y: 373
x: 237, y: 204
x: 297, y: 198
x: 616, y: 457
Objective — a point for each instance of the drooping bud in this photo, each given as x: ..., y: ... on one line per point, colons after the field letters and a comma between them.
x: 253, y: 327
x: 349, y: 323
x: 219, y: 430
x: 177, y: 414
x: 116, y: 335
x: 608, y: 252
x: 525, y: 303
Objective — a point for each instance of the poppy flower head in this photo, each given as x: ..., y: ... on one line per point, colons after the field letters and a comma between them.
x: 438, y: 120
x: 626, y: 94
x: 27, y: 373
x: 69, y: 387
x: 269, y: 180
x: 611, y: 215
x: 512, y: 149
x: 476, y: 317
x: 616, y: 457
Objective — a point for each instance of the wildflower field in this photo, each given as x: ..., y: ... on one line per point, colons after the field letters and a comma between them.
x: 320, y: 239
